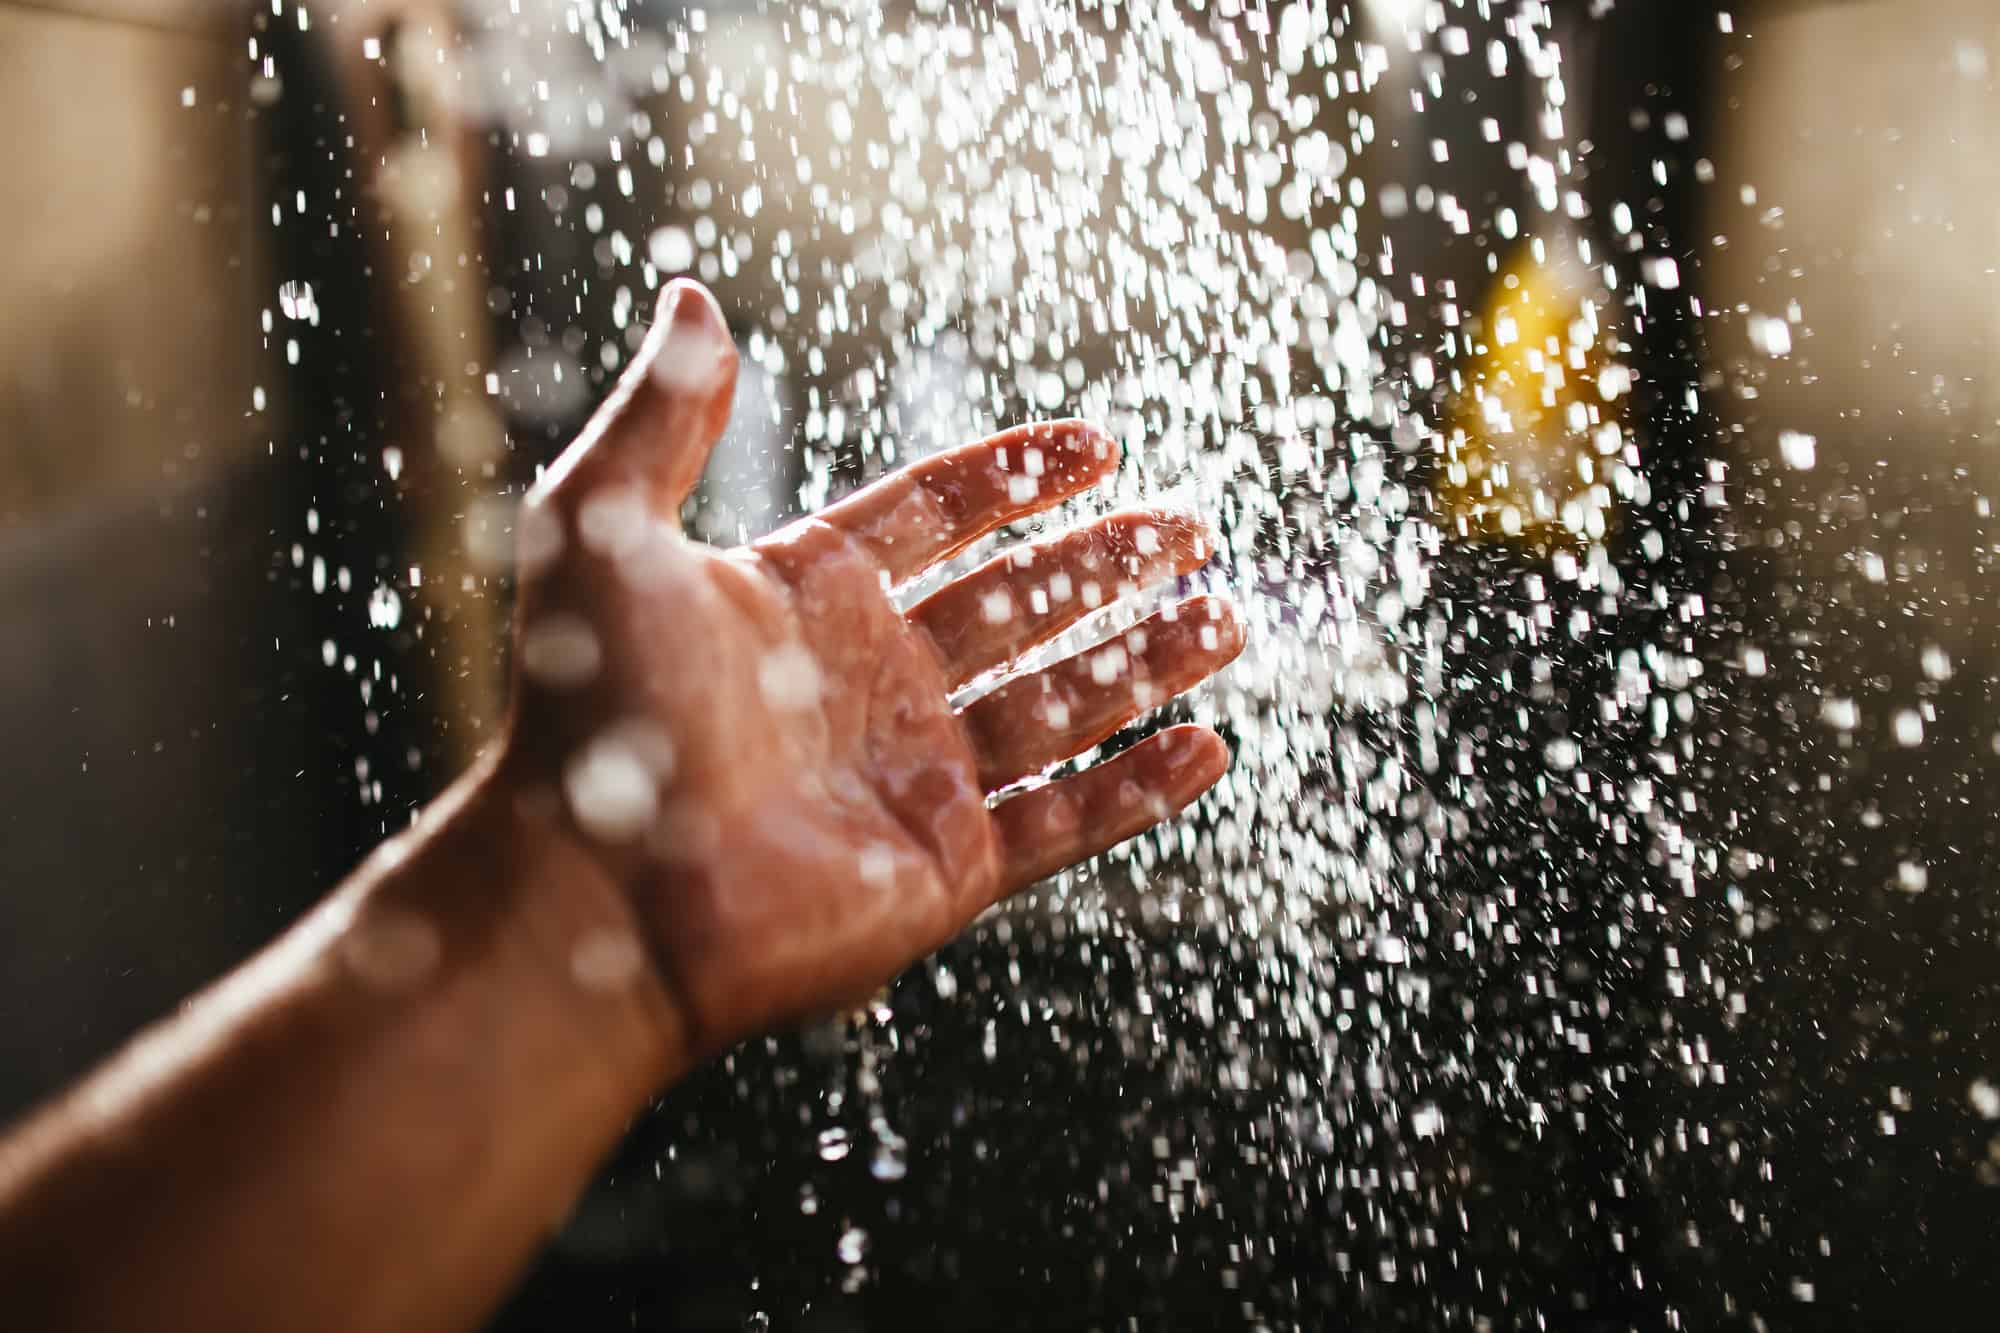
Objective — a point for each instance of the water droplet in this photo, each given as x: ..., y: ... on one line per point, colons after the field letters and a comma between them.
x: 385, y: 608
x: 671, y: 249
x: 789, y: 678
x: 611, y: 790
x: 852, y: 1246
x: 607, y: 959
x: 560, y: 651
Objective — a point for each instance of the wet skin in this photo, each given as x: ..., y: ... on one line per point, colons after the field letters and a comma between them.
x: 762, y: 749
x: 734, y: 790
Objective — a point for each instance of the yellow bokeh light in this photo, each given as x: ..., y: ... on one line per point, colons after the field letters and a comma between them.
x: 1535, y: 437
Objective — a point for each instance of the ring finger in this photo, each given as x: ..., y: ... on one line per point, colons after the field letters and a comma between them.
x: 1051, y: 715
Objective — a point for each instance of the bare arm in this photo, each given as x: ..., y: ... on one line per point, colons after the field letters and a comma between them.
x: 369, y: 1126
x: 734, y: 792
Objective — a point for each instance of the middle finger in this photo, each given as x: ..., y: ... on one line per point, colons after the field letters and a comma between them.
x: 1028, y: 595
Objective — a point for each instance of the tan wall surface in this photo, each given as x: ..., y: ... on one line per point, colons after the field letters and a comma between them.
x: 128, y: 303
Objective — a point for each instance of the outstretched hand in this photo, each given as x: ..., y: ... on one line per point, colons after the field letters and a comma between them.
x: 761, y: 748
x: 733, y: 791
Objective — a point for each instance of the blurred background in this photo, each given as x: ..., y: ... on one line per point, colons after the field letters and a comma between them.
x: 1596, y: 930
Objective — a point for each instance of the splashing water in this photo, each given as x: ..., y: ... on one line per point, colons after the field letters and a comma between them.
x: 1414, y: 1014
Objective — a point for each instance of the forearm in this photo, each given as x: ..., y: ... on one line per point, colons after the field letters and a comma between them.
x: 371, y: 1124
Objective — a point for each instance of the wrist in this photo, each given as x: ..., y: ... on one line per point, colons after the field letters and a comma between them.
x: 507, y: 882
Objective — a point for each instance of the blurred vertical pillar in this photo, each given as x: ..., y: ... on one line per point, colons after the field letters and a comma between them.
x: 400, y: 67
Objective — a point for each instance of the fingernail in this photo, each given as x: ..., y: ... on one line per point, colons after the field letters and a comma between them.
x: 1198, y: 760
x: 686, y: 304
x: 1095, y: 448
x: 1201, y: 536
x: 694, y: 348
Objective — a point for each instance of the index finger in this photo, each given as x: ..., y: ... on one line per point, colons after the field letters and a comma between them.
x: 933, y: 509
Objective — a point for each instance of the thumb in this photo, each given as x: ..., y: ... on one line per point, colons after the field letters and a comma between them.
x: 654, y: 433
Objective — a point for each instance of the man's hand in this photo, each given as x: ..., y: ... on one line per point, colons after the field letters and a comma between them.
x: 733, y: 791
x: 761, y: 749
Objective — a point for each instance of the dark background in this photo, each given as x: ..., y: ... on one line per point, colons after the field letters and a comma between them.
x: 1068, y: 1156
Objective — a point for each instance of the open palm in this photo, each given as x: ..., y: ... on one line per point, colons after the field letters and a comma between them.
x: 762, y: 748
